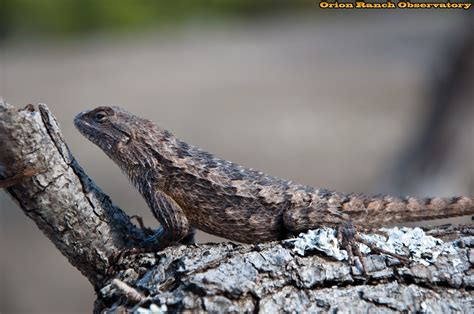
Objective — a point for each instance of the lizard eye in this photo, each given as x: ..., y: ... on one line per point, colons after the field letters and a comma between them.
x: 100, y: 117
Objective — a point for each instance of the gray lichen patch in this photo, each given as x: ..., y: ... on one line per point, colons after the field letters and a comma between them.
x: 322, y: 240
x: 413, y: 243
x: 153, y: 309
x: 410, y: 242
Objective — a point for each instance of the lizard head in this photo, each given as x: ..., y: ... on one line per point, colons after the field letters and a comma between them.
x: 113, y: 129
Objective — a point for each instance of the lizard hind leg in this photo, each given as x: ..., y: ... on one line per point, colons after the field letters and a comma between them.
x: 301, y: 219
x: 298, y: 219
x: 350, y: 238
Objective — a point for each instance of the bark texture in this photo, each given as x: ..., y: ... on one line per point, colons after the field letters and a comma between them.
x: 62, y: 200
x: 271, y: 277
x: 90, y: 230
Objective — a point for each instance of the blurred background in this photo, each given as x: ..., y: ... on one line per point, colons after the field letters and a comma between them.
x: 355, y: 101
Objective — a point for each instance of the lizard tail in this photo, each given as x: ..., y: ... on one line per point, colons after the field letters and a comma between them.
x: 374, y: 211
x: 388, y: 210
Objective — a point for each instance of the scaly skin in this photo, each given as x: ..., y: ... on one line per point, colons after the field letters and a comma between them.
x: 187, y: 188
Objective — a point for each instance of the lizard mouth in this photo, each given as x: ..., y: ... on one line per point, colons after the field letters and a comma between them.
x: 94, y: 133
x: 82, y: 126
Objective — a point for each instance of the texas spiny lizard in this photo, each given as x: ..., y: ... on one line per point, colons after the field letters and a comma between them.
x: 188, y: 188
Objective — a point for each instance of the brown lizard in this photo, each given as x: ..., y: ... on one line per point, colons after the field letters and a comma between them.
x: 188, y: 188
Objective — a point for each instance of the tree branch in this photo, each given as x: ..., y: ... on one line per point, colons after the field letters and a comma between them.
x: 272, y: 277
x: 291, y: 275
x: 62, y: 200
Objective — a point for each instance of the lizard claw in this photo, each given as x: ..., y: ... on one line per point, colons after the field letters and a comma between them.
x: 151, y: 244
x: 349, y: 237
x: 147, y: 231
x: 117, y: 258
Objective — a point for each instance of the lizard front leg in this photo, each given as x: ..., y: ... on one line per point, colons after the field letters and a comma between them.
x: 174, y: 223
x: 189, y: 239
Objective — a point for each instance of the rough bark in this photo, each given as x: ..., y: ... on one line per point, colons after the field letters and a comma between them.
x: 62, y: 200
x: 271, y: 277
x: 291, y: 275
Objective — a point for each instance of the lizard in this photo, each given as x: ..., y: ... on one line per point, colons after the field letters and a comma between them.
x: 187, y: 188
